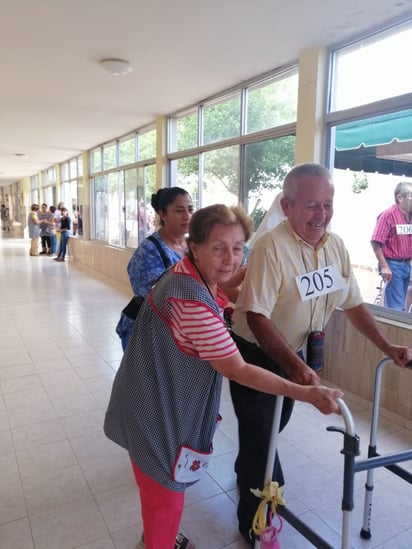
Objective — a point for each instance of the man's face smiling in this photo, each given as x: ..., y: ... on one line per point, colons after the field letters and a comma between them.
x: 310, y: 210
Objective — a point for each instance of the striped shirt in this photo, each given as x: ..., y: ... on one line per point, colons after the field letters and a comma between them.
x: 197, y: 329
x: 394, y: 245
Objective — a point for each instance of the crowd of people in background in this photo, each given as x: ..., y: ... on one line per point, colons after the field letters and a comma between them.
x: 52, y: 227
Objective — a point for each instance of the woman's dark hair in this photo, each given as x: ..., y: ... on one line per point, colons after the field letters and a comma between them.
x: 161, y: 200
x: 203, y: 221
x: 52, y: 209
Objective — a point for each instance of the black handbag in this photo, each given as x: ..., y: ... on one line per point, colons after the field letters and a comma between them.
x: 132, y: 308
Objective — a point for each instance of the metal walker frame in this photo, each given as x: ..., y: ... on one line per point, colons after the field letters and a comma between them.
x: 351, y: 466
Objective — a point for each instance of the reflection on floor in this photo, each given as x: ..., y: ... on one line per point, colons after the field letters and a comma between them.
x: 64, y: 485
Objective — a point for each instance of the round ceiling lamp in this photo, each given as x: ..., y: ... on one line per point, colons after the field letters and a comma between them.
x: 117, y: 67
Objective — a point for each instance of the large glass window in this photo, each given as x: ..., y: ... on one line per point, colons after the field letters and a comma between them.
x: 146, y: 145
x: 373, y: 69
x: 96, y: 161
x: 185, y: 174
x: 370, y: 144
x: 272, y: 103
x: 110, y: 156
x: 266, y: 165
x: 101, y: 228
x: 259, y: 120
x: 127, y: 151
x: 123, y: 196
x: 116, y: 208
x: 221, y: 176
x: 71, y: 180
x: 221, y: 119
x: 184, y: 131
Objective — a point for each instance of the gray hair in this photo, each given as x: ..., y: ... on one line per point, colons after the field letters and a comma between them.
x: 401, y: 188
x: 309, y: 168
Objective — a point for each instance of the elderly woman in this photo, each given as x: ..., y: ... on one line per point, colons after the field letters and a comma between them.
x: 164, y: 406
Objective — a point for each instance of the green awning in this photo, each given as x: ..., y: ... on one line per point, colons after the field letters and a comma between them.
x: 359, y: 145
x: 378, y: 130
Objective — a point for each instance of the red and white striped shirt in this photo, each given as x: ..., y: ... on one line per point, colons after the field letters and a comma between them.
x: 394, y: 245
x: 197, y: 330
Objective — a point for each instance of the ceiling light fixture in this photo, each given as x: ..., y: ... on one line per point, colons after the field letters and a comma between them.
x: 117, y: 67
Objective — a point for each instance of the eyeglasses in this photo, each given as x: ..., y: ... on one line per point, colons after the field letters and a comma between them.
x: 407, y: 195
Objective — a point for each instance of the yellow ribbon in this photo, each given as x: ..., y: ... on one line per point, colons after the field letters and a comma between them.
x: 271, y: 494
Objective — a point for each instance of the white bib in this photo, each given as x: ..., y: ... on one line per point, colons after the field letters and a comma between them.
x: 320, y: 282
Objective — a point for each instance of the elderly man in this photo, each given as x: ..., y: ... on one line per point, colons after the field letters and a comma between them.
x: 298, y: 273
x: 392, y: 244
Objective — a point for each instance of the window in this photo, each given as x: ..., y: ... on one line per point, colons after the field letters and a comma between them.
x: 261, y: 150
x: 184, y: 131
x: 71, y: 181
x: 127, y: 151
x: 221, y: 176
x: 185, y: 174
x: 266, y: 165
x: 373, y: 69
x: 273, y: 103
x: 96, y: 161
x: 101, y: 228
x: 221, y: 119
x: 110, y: 156
x: 370, y: 143
x: 146, y: 145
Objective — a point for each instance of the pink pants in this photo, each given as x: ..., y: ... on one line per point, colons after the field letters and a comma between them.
x: 161, y: 511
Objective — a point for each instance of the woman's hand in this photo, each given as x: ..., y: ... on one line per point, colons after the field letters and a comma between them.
x: 324, y: 398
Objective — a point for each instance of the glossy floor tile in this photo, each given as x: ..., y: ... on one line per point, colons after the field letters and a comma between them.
x: 63, y: 485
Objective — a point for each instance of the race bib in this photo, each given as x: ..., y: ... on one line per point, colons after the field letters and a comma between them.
x: 404, y: 229
x: 320, y: 282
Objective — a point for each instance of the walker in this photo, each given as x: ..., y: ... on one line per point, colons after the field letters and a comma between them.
x: 351, y: 466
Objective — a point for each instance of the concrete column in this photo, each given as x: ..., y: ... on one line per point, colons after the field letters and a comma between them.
x: 161, y: 151
x: 313, y: 65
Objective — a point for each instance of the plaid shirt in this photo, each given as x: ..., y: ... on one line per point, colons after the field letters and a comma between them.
x: 394, y: 245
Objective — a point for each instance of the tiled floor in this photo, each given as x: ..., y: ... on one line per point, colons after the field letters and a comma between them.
x: 64, y: 485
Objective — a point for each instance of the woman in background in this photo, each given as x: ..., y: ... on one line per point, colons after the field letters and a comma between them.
x: 65, y: 233
x: 174, y: 207
x: 33, y: 224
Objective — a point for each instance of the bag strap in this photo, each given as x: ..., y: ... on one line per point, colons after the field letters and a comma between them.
x: 166, y: 261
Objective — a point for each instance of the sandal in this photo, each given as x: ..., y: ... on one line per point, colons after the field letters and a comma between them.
x: 182, y: 542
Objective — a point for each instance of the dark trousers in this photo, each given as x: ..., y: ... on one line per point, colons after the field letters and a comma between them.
x: 254, y: 411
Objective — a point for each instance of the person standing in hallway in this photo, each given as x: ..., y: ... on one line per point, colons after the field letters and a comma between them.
x: 46, y: 223
x: 279, y: 318
x: 33, y: 225
x: 65, y: 233
x: 5, y: 218
x: 392, y: 243
x: 53, y: 232
x: 174, y: 207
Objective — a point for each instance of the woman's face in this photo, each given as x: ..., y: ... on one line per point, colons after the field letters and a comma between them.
x: 221, y: 254
x: 177, y: 216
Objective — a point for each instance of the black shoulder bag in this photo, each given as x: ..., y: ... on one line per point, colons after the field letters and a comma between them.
x: 133, y: 307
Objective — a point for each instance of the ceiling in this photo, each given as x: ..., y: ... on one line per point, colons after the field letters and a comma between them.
x: 56, y: 101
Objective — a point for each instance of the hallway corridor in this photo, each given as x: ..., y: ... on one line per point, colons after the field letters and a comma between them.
x: 63, y: 485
